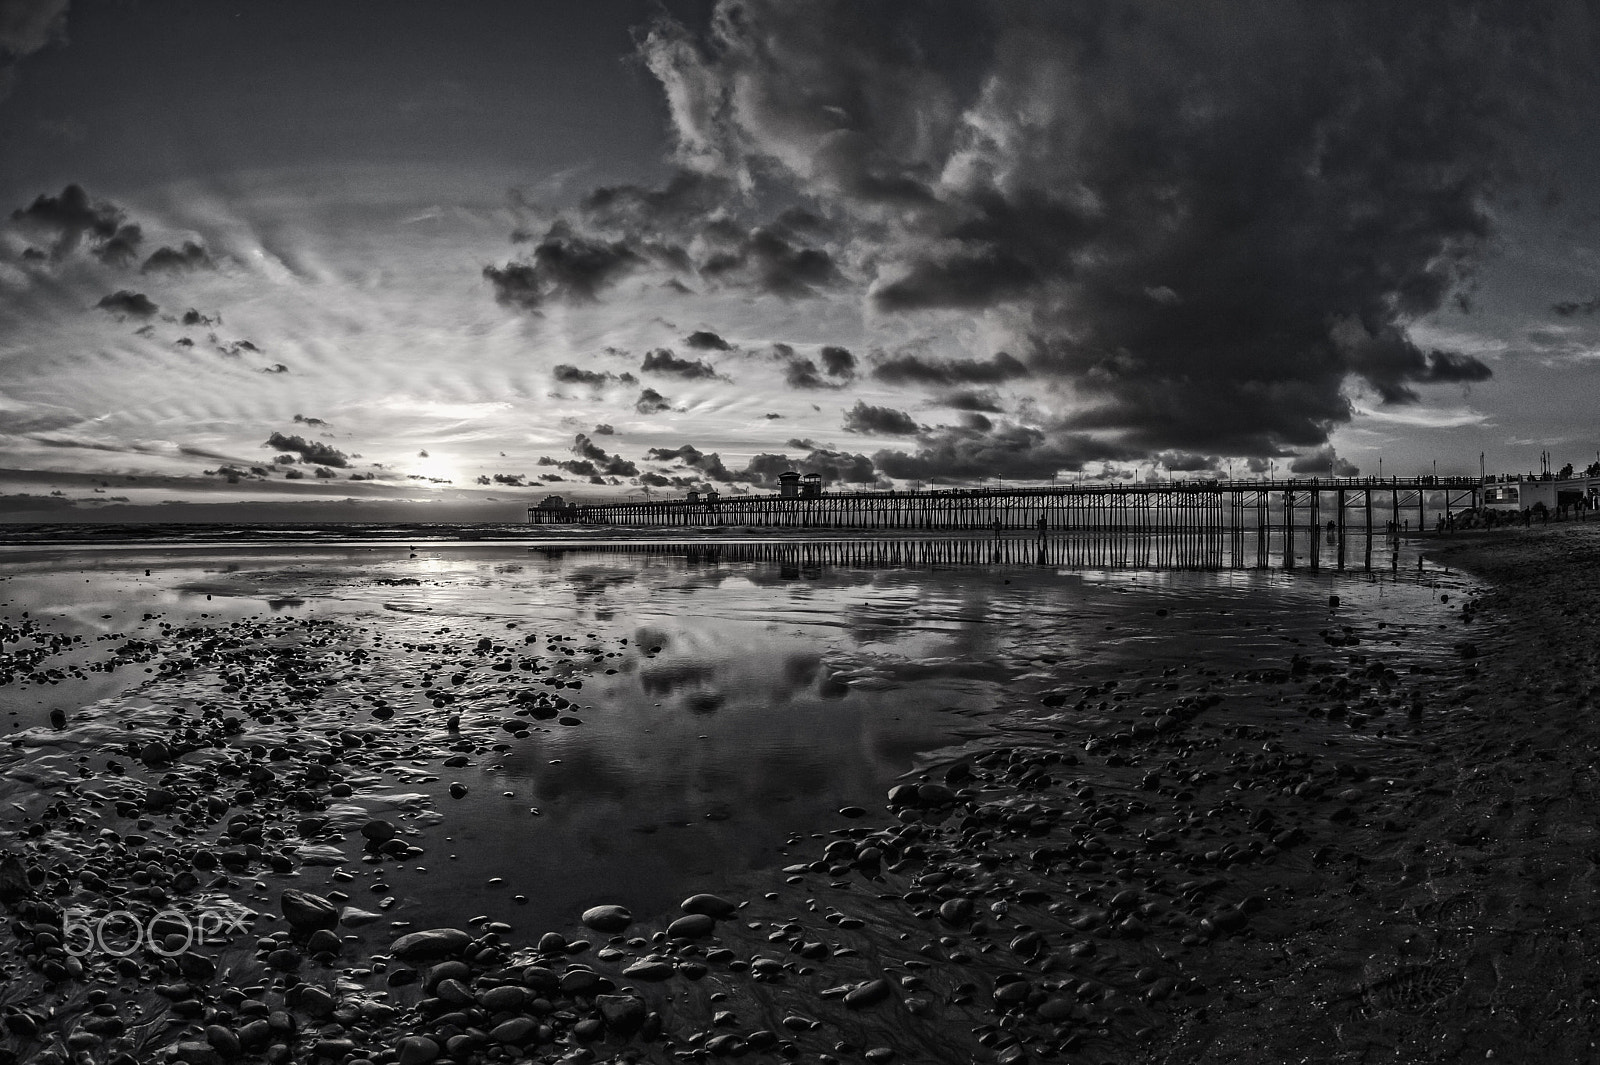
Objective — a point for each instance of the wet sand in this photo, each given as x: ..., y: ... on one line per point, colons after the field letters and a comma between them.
x: 1354, y: 853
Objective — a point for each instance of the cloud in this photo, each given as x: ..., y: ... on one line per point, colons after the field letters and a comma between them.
x: 838, y: 362
x: 663, y: 361
x: 574, y: 375
x: 882, y: 421
x: 301, y: 419
x: 1568, y: 308
x: 602, y: 429
x: 602, y: 463
x: 193, y: 317
x: 72, y: 217
x: 1169, y: 211
x: 310, y: 451
x: 1188, y: 461
x: 709, y: 464
x: 914, y: 369
x: 980, y: 449
x: 125, y: 303
x: 835, y: 467
x: 28, y: 25
x: 180, y: 260
x: 770, y: 262
x: 565, y: 266
x: 987, y: 400
x: 801, y: 372
x: 651, y: 402
x: 702, y: 340
x: 1320, y: 461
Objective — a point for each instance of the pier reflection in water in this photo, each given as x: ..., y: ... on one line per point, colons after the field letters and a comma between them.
x: 1172, y: 549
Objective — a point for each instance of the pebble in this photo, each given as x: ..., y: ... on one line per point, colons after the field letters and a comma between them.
x: 709, y: 905
x: 306, y: 912
x: 432, y: 943
x: 607, y: 918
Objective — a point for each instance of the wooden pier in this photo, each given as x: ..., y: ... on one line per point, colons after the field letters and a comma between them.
x: 1261, y: 507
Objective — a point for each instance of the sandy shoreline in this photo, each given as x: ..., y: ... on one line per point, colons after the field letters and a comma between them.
x: 1348, y: 854
x: 1469, y: 932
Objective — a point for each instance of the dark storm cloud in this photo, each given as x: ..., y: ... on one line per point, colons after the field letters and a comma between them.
x: 835, y: 467
x: 123, y: 302
x: 610, y: 465
x: 767, y: 261
x: 801, y: 372
x: 311, y: 451
x: 72, y: 218
x: 704, y: 340
x: 123, y: 246
x: 301, y: 419
x: 709, y: 464
x: 663, y: 361
x: 1197, y: 223
x: 916, y: 370
x: 1188, y: 461
x: 182, y: 259
x: 838, y: 362
x: 973, y: 400
x: 194, y: 317
x: 651, y: 402
x: 979, y: 449
x: 573, y: 375
x: 882, y: 421
x: 563, y: 266
x: 1568, y: 308
x: 602, y: 429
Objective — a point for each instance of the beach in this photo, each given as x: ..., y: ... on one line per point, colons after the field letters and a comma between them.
x: 1161, y: 816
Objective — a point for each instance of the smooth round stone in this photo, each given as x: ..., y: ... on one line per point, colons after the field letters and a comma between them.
x: 867, y: 994
x: 378, y: 830
x: 433, y: 943
x: 323, y: 941
x: 514, y: 1032
x: 710, y: 905
x: 692, y: 926
x: 504, y: 999
x: 417, y: 1050
x: 580, y: 982
x: 609, y: 918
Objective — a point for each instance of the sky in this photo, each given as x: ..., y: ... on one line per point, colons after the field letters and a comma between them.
x: 340, y: 260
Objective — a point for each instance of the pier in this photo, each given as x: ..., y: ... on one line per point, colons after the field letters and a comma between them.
x: 1261, y: 507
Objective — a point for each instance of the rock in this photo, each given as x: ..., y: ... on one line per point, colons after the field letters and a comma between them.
x: 378, y: 830
x: 867, y: 994
x: 504, y: 999
x: 623, y: 1014
x: 433, y: 943
x: 317, y: 1001
x: 351, y: 917
x: 417, y: 1050
x: 580, y: 982
x: 454, y: 992
x: 710, y: 905
x: 515, y: 1032
x: 323, y: 941
x: 155, y: 753
x: 306, y: 912
x: 224, y: 1041
x: 692, y: 926
x: 955, y: 911
x: 650, y: 969
x: 196, y: 1053
x: 608, y: 918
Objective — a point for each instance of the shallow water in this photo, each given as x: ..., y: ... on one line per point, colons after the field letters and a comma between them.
x: 728, y: 699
